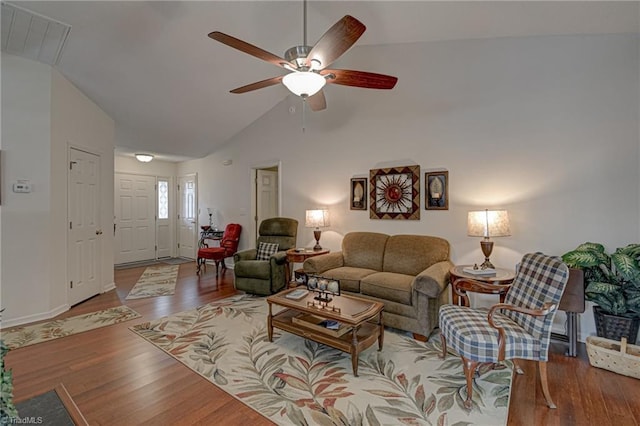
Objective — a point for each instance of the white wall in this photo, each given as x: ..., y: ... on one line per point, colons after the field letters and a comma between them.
x: 546, y: 127
x: 42, y: 115
x: 26, y: 150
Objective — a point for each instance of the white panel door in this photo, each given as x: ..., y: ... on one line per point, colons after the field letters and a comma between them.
x: 187, y: 215
x: 84, y: 226
x: 163, y: 222
x: 266, y: 195
x: 135, y: 204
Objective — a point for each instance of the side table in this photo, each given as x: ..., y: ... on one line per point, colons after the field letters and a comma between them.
x: 297, y: 255
x: 502, y: 277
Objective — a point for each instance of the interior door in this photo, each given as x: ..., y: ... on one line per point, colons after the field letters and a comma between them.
x: 134, y: 218
x: 187, y: 215
x: 266, y: 195
x: 84, y: 226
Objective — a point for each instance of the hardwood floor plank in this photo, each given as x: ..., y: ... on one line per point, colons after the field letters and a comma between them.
x: 117, y: 378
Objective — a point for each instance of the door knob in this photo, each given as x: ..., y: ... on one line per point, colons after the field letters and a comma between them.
x: 98, y: 232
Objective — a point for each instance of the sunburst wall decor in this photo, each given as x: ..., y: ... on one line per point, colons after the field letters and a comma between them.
x: 395, y: 193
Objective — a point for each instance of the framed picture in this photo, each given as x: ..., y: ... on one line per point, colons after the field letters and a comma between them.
x: 437, y: 190
x: 358, y: 199
x: 395, y: 193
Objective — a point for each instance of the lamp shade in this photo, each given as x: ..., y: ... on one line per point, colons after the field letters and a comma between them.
x: 304, y: 83
x: 488, y: 223
x: 144, y: 158
x: 317, y: 218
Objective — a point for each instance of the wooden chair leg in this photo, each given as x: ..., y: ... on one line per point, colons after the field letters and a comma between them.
x: 516, y: 367
x: 443, y: 342
x: 542, y: 367
x: 470, y: 367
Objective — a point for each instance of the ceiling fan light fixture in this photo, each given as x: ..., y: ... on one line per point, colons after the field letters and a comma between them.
x: 144, y: 158
x: 304, y: 83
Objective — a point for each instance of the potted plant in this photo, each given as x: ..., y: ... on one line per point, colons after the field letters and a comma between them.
x: 612, y: 281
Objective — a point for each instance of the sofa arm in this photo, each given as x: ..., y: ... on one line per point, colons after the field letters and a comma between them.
x: 324, y: 262
x: 249, y: 254
x: 433, y: 280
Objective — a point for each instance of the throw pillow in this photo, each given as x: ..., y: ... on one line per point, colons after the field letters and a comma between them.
x: 265, y: 250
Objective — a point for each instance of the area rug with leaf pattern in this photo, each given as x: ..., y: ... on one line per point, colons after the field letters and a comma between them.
x: 155, y: 281
x: 18, y: 337
x: 294, y: 381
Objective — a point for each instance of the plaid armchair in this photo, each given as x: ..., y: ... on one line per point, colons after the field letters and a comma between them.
x: 518, y: 328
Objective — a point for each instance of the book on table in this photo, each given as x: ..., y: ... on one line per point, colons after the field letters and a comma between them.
x: 297, y: 294
x: 480, y: 272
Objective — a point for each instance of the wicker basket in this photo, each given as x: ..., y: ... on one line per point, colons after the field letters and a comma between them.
x: 614, y: 356
x: 615, y: 327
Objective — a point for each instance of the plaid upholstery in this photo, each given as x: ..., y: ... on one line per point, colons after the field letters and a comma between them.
x: 540, y: 279
x: 265, y: 250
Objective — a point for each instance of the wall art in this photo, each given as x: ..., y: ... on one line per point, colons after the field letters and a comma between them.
x: 437, y: 190
x: 358, y: 199
x: 395, y: 193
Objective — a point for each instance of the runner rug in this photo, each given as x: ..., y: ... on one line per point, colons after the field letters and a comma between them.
x: 156, y: 281
x: 18, y: 337
x: 294, y: 381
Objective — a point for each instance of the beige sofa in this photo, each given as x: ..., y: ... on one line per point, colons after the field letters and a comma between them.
x: 409, y: 273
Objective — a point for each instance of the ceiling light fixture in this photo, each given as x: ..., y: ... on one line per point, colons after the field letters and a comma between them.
x: 304, y: 83
x: 144, y: 158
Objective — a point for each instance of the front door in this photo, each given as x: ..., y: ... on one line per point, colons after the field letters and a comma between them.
x: 135, y: 204
x: 187, y: 216
x: 84, y: 226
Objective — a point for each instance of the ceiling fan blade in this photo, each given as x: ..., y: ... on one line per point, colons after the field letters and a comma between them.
x: 368, y: 80
x: 317, y: 102
x: 337, y: 40
x: 258, y: 85
x: 252, y: 50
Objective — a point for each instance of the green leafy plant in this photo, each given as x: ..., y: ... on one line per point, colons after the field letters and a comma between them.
x: 612, y: 280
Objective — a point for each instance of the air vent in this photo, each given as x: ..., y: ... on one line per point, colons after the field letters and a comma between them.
x: 29, y: 34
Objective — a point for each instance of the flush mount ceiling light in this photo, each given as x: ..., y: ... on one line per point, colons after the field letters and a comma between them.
x: 144, y: 158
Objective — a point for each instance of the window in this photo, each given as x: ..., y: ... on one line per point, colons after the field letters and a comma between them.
x: 163, y: 199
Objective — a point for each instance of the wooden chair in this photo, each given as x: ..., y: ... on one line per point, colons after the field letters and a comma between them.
x: 519, y: 328
x: 228, y: 247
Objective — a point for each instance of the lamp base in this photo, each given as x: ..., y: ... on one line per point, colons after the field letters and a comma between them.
x: 487, y: 264
x: 487, y: 248
x: 316, y: 235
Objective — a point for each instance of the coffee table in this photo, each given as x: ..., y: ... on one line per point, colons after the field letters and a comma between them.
x: 354, y: 314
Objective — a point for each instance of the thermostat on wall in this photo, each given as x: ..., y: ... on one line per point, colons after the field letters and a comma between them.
x: 22, y: 186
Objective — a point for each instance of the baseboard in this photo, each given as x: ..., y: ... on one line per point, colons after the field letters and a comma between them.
x: 109, y: 287
x: 35, y: 317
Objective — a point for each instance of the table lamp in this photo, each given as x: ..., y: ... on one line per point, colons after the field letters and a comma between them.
x: 316, y: 219
x: 488, y: 223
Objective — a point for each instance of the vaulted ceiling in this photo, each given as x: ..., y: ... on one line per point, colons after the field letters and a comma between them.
x: 152, y: 68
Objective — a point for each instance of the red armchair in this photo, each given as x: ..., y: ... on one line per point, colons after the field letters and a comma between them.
x: 228, y: 247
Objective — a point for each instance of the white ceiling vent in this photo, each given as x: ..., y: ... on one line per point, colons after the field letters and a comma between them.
x: 32, y: 35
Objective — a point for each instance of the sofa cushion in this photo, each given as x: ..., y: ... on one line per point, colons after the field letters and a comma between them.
x: 412, y: 254
x: 364, y: 250
x: 349, y: 277
x: 388, y: 286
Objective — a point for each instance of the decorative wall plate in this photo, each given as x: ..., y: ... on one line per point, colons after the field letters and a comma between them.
x: 395, y: 193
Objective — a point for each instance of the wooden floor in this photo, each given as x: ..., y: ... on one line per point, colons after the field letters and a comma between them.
x: 117, y: 378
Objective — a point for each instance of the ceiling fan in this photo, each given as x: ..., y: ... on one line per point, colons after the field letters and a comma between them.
x: 308, y: 64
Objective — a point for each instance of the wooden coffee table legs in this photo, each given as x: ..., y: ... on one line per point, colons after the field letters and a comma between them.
x: 351, y: 344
